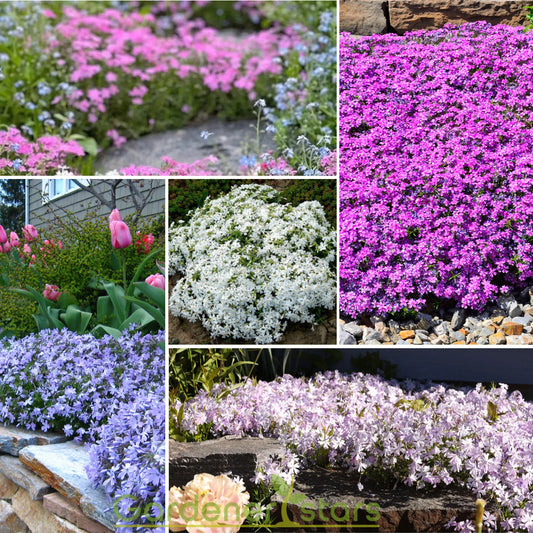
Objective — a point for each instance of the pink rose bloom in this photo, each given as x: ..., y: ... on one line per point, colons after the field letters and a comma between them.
x: 52, y: 292
x: 156, y: 280
x: 14, y: 240
x: 30, y: 233
x: 223, y: 500
x: 120, y: 234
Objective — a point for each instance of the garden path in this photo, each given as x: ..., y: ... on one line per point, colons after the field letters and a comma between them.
x: 228, y: 141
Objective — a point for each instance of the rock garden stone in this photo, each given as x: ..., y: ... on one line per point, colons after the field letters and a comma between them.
x: 24, y: 477
x: 9, y: 520
x: 13, y: 439
x: 62, y: 466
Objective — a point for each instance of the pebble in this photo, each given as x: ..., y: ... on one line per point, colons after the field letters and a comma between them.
x: 509, y: 321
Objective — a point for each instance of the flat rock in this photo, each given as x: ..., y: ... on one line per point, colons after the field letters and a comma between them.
x: 346, y: 338
x: 512, y: 328
x: 64, y: 508
x: 240, y: 456
x: 363, y: 17
x: 228, y: 142
x: 12, y: 468
x: 409, y: 15
x: 7, y: 488
x: 353, y: 329
x: 407, y: 334
x: 400, y: 509
x: 62, y: 466
x: 37, y: 518
x: 13, y: 439
x: 497, y: 338
x: 9, y: 520
x: 458, y: 319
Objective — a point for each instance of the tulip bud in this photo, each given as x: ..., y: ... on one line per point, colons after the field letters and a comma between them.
x: 115, y: 216
x: 3, y: 235
x: 156, y: 280
x: 120, y: 234
x: 14, y: 239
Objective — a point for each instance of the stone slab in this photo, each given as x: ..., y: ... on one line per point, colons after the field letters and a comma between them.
x: 12, y: 468
x: 410, y: 15
x: 7, y: 487
x: 9, y: 521
x: 363, y: 17
x: 37, y: 518
x: 240, y: 456
x: 62, y: 466
x: 13, y: 439
x: 64, y: 508
x: 399, y: 509
x: 228, y: 142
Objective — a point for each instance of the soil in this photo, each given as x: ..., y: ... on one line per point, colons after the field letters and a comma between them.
x: 182, y: 331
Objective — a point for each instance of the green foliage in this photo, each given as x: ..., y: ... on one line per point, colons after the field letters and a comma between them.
x: 186, y: 195
x: 16, y: 314
x: 321, y: 190
x: 12, y: 203
x: 371, y: 363
x: 193, y: 370
x: 87, y: 256
x: 529, y: 16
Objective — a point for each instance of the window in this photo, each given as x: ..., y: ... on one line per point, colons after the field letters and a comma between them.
x: 55, y: 187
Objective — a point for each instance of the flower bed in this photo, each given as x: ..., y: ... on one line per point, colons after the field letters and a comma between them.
x: 249, y: 264
x: 389, y: 432
x: 107, y: 393
x: 436, y: 168
x: 98, y: 76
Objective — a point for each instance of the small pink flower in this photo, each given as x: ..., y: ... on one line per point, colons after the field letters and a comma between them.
x: 26, y: 249
x: 156, y: 280
x: 52, y: 292
x: 30, y: 233
x: 49, y: 14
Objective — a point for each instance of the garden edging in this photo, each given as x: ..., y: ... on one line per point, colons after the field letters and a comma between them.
x: 399, y: 509
x: 54, y: 499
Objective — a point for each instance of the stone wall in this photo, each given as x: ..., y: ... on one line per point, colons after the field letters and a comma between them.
x: 400, y: 509
x: 44, y: 488
x: 366, y: 17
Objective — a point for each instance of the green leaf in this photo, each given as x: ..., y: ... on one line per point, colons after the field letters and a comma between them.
x: 279, y: 485
x: 89, y: 145
x: 492, y: 411
x: 116, y: 294
x: 154, y: 313
x: 297, y: 498
x: 114, y: 332
x: 155, y: 294
x: 115, y: 261
x: 139, y: 316
x: 76, y: 319
x: 66, y: 299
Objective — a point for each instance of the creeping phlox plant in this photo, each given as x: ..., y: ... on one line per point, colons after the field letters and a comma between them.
x: 104, y: 392
x: 249, y: 265
x: 100, y: 75
x: 436, y: 193
x: 400, y: 432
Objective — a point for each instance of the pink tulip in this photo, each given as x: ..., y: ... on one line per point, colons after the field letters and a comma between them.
x: 14, y: 240
x: 115, y: 216
x: 52, y: 292
x: 26, y: 249
x: 3, y: 235
x: 30, y: 233
x: 156, y: 280
x: 6, y: 247
x: 120, y: 234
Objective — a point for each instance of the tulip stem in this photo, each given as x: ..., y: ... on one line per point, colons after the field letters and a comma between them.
x: 124, y: 269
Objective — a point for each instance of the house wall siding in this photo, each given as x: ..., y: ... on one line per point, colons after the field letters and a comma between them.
x: 79, y: 202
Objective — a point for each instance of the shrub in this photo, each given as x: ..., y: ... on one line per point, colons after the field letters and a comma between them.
x: 250, y: 265
x: 436, y: 167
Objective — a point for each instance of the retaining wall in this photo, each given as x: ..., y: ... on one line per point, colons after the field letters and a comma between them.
x: 366, y: 17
